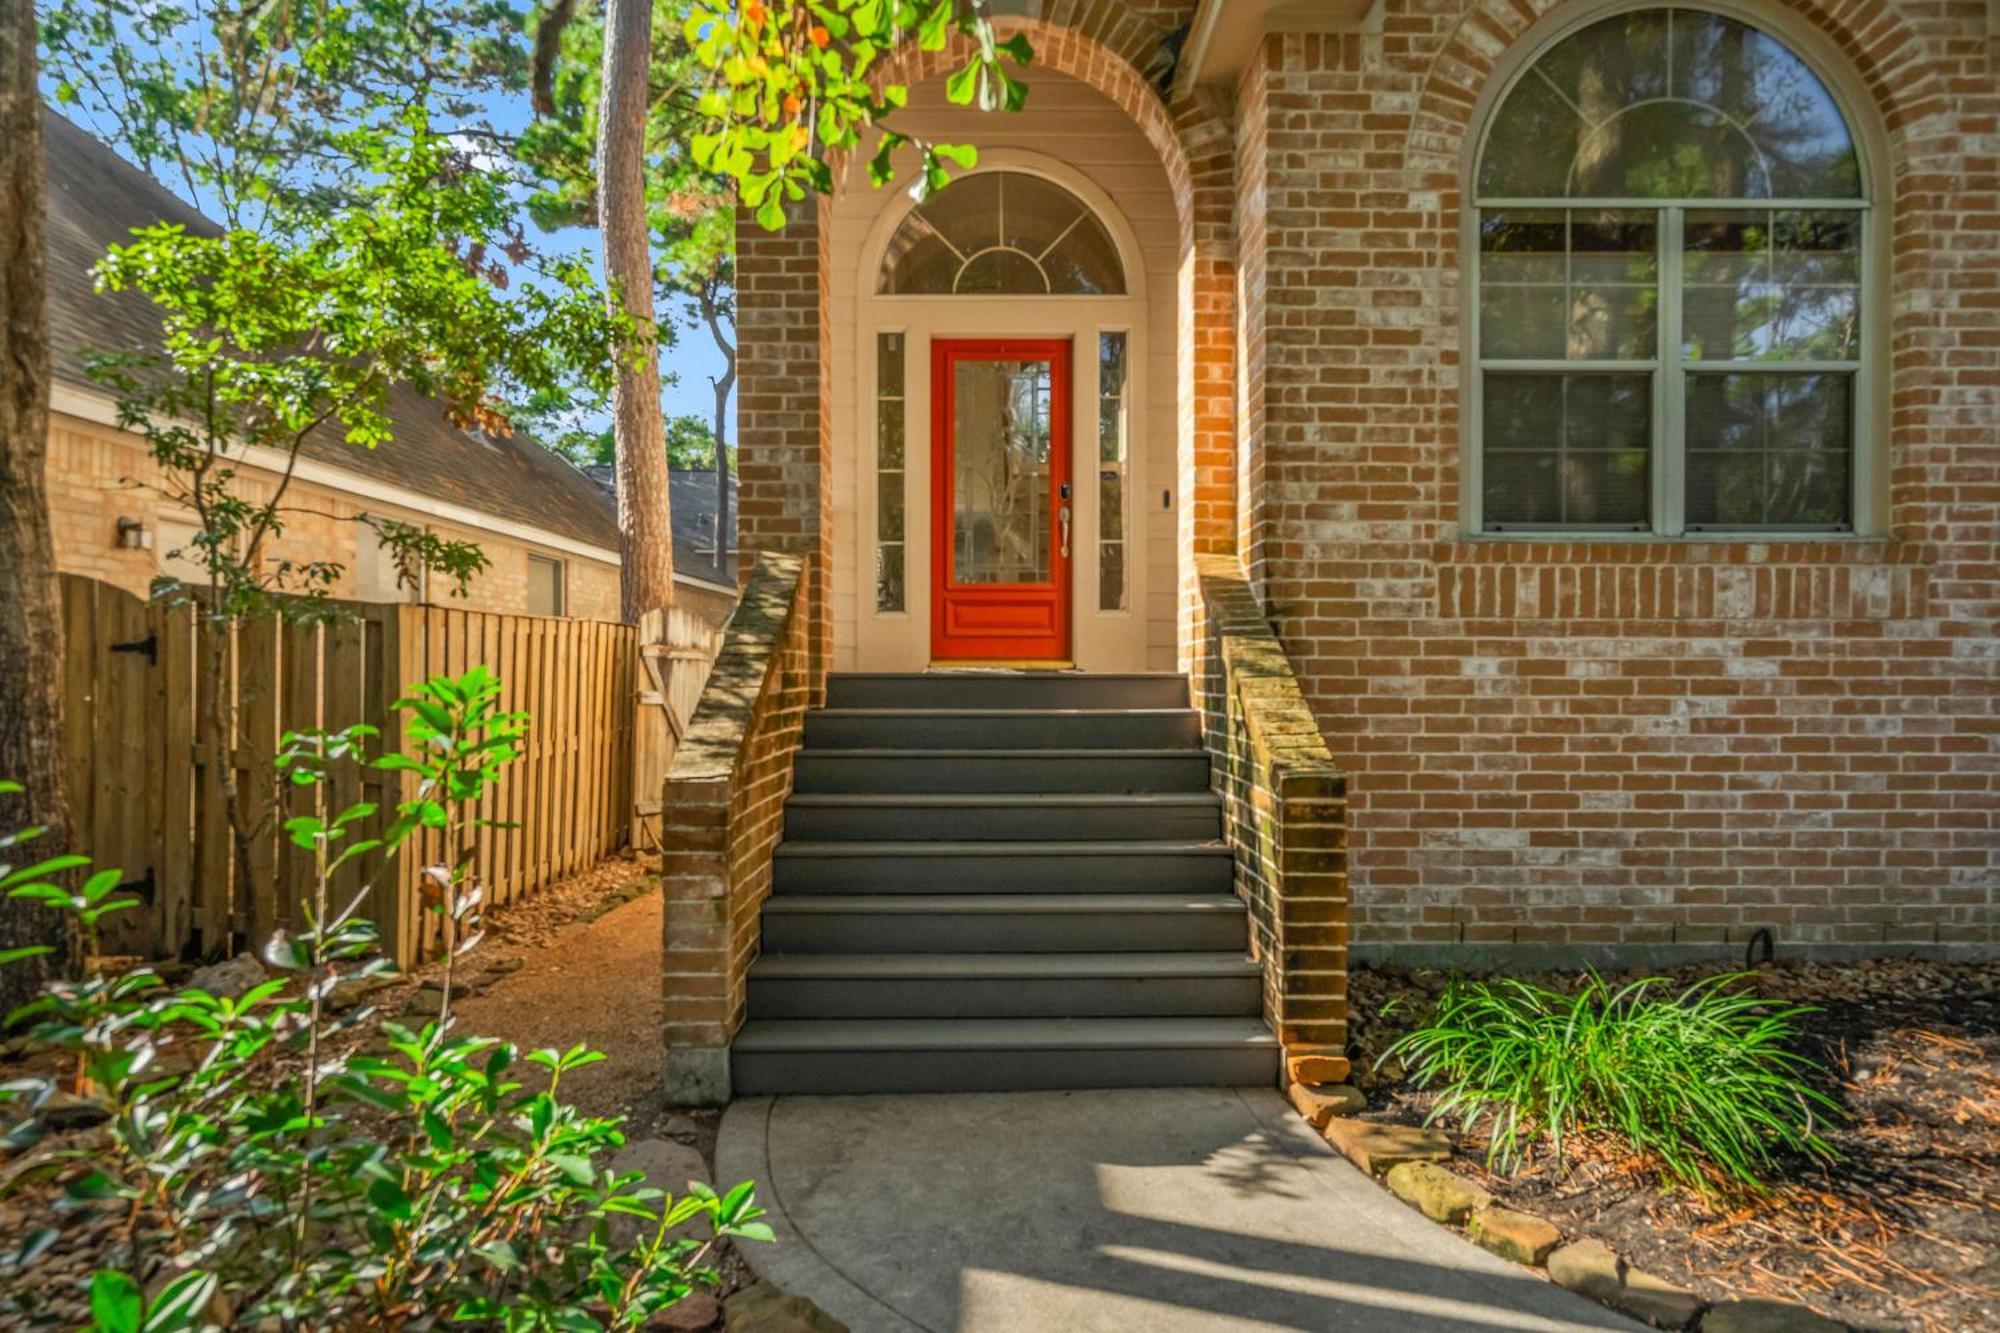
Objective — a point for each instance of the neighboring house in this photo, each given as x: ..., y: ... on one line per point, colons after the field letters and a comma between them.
x: 549, y: 531
x: 1601, y: 399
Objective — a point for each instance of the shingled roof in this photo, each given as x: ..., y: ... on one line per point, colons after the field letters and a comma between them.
x: 96, y: 198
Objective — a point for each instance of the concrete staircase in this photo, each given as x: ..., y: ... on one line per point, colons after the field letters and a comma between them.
x: 996, y: 882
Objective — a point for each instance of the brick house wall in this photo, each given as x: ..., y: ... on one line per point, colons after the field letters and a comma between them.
x: 1554, y: 748
x: 1636, y: 745
x: 98, y: 474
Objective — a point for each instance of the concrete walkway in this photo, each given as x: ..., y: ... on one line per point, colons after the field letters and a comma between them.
x: 1138, y: 1211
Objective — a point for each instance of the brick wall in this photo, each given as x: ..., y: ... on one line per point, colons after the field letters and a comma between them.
x: 1284, y: 799
x: 784, y: 439
x: 1619, y: 746
x: 722, y: 814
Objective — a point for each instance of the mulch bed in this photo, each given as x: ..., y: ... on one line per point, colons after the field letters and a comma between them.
x: 1902, y: 1232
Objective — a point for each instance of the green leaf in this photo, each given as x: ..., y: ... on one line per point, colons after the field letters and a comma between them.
x: 116, y: 1303
x: 181, y: 1304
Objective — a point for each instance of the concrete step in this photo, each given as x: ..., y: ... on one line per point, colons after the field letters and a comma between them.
x: 1004, y: 985
x: 1005, y: 689
x: 774, y: 1056
x: 970, y: 923
x: 1002, y: 867
x: 1002, y: 728
x: 1051, y: 771
x: 1067, y: 817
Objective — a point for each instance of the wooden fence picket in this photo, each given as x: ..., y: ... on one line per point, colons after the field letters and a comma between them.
x: 146, y: 792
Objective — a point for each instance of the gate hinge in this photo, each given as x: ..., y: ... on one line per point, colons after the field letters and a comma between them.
x: 150, y: 646
x: 146, y: 889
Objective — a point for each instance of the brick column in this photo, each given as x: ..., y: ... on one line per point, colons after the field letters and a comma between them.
x: 784, y: 441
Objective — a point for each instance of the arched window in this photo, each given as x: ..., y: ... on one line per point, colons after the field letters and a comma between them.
x: 1002, y: 233
x: 1670, y: 229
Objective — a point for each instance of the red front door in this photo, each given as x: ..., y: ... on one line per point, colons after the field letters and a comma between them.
x: 1001, y: 507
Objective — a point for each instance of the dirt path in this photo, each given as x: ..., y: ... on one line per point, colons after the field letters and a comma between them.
x: 597, y: 983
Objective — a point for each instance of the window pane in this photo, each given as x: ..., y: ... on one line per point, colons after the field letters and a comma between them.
x: 889, y: 365
x: 1784, y: 111
x: 545, y: 586
x: 1112, y: 448
x: 1567, y: 450
x: 889, y: 473
x: 1580, y: 285
x: 1002, y: 232
x: 1001, y: 524
x: 1769, y: 450
x: 889, y: 433
x: 1613, y: 286
x: 1660, y: 104
x: 889, y: 578
x: 1772, y: 285
x: 1522, y: 263
x: 889, y: 507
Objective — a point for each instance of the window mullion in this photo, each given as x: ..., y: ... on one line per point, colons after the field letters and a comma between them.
x: 1670, y: 416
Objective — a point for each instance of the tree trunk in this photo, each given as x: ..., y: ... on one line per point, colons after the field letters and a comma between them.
x: 711, y: 311
x: 31, y: 659
x: 645, y: 528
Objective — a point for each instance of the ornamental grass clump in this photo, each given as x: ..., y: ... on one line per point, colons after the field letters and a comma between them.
x: 1705, y: 1083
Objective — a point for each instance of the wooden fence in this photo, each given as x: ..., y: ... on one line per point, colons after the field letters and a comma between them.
x: 147, y: 797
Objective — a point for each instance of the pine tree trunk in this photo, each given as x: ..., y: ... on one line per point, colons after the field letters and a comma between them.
x: 711, y: 312
x: 645, y: 529
x: 31, y: 661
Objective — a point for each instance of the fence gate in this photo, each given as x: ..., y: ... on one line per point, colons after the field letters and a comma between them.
x: 676, y: 650
x: 121, y: 665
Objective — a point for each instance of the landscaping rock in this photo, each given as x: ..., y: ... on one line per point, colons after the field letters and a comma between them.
x: 765, y: 1309
x: 425, y: 1003
x: 1318, y: 1068
x: 1321, y: 1102
x: 682, y: 1130
x: 1522, y: 1237
x: 1591, y: 1269
x: 1766, y: 1317
x: 231, y: 976
x: 1437, y: 1193
x: 1375, y: 1148
x: 690, y: 1314
x: 65, y: 1113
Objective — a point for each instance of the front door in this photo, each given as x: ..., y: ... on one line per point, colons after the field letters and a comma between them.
x: 1001, y: 508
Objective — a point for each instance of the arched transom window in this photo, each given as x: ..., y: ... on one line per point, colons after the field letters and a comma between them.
x: 1670, y: 272
x: 1002, y: 233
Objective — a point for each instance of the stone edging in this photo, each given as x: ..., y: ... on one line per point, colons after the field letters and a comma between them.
x: 1410, y: 1163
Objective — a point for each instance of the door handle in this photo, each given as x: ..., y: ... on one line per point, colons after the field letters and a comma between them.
x: 1063, y: 513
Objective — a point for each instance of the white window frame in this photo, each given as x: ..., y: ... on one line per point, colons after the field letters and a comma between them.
x: 1667, y: 454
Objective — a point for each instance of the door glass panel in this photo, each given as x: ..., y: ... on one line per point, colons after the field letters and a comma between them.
x: 1000, y: 472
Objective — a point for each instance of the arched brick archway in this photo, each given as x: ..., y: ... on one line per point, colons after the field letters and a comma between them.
x: 1106, y: 47
x: 784, y: 409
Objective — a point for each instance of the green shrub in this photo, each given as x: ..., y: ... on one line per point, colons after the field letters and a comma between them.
x: 267, y: 1175
x: 1705, y: 1082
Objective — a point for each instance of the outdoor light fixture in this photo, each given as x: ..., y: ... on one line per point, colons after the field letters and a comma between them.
x: 134, y: 535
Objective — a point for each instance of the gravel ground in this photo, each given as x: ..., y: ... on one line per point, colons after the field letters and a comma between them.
x: 1903, y: 1231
